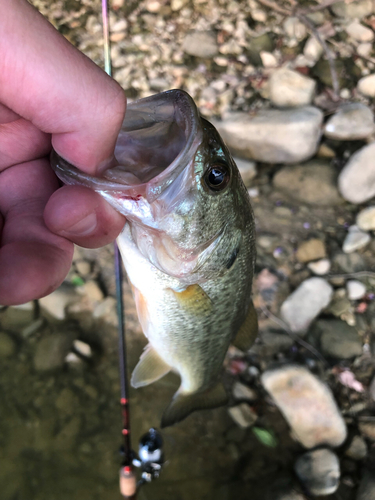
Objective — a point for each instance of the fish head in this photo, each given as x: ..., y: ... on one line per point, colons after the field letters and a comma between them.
x: 177, y: 185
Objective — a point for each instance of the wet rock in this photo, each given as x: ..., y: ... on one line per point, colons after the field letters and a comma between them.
x: 319, y: 471
x: 366, y: 219
x: 289, y: 88
x: 242, y: 391
x: 356, y: 289
x: 366, y: 490
x: 7, y: 346
x: 313, y: 183
x: 355, y: 239
x: 309, y: 250
x: 353, y: 10
x: 366, y: 85
x: 247, y: 170
x: 51, y: 351
x: 307, y: 404
x: 294, y: 28
x: 56, y: 302
x: 359, y: 32
x: 357, y: 179
x: 338, y: 339
x: 273, y: 136
x: 200, y: 44
x: 357, y: 449
x: 320, y: 267
x: 243, y: 415
x: 305, y: 303
x: 351, y: 122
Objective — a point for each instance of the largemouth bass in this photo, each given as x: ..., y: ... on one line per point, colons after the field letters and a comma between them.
x: 187, y: 246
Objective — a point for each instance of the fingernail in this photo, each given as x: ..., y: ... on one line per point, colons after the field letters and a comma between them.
x: 84, y: 227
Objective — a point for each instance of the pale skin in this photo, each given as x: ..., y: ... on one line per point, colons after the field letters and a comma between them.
x: 51, y: 95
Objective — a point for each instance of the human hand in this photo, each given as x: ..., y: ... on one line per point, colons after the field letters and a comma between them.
x: 50, y: 95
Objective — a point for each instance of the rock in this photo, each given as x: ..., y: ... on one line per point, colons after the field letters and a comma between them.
x: 312, y: 249
x: 357, y: 449
x: 16, y: 318
x: 356, y: 289
x: 359, y: 32
x: 273, y: 136
x: 289, y: 88
x: 92, y: 290
x: 312, y: 50
x: 357, y: 179
x: 351, y: 122
x: 305, y: 303
x: 366, y: 490
x: 243, y: 415
x: 271, y: 343
x: 294, y: 28
x: 355, y: 239
x: 242, y: 391
x: 364, y: 49
x: 200, y: 44
x: 367, y: 428
x: 338, y: 339
x: 325, y: 151
x: 56, y: 302
x: 51, y: 351
x: 83, y: 267
x: 262, y: 43
x: 366, y: 85
x: 320, y: 267
x: 74, y: 360
x: 7, y: 346
x: 107, y: 311
x: 353, y: 10
x: 319, y: 471
x: 366, y: 219
x: 82, y: 348
x: 268, y: 59
x: 247, y: 170
x: 178, y: 4
x: 313, y: 183
x: 348, y: 263
x: 307, y: 404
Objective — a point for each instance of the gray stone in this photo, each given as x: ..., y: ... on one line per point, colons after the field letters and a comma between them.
x: 355, y: 239
x: 351, y: 122
x: 319, y: 471
x: 366, y: 219
x: 200, y: 44
x: 338, y: 339
x: 51, y: 351
x: 366, y: 490
x: 314, y: 183
x: 305, y: 304
x: 359, y: 32
x: 357, y: 179
x: 56, y: 302
x: 7, y: 346
x: 247, y: 170
x: 243, y: 415
x: 294, y: 28
x: 357, y: 449
x: 354, y: 9
x: 273, y: 135
x: 367, y: 428
x: 289, y: 88
x: 307, y: 404
x: 309, y: 250
x: 320, y: 267
x: 242, y: 391
x: 356, y: 289
x: 312, y: 50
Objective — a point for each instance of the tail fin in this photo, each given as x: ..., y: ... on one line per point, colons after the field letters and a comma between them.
x: 183, y: 404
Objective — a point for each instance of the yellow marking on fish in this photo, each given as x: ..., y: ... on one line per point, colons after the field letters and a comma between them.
x: 194, y: 300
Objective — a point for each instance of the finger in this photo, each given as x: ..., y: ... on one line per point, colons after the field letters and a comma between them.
x: 33, y: 261
x: 46, y: 80
x: 82, y: 216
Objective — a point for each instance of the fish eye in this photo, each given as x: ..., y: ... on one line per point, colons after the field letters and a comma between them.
x: 217, y: 177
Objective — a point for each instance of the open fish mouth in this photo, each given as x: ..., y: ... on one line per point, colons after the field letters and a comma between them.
x: 158, y: 138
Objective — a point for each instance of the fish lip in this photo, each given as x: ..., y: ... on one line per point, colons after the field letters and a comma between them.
x: 152, y: 189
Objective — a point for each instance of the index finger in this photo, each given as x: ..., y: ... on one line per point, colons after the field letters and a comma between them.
x: 44, y: 79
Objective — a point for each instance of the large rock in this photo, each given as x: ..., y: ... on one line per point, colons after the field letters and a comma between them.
x: 290, y: 88
x: 314, y: 183
x: 200, y: 44
x: 351, y: 122
x: 319, y: 471
x: 305, y: 303
x: 355, y: 239
x: 354, y: 9
x: 273, y: 135
x: 338, y: 339
x: 357, y: 179
x: 359, y: 32
x: 307, y: 404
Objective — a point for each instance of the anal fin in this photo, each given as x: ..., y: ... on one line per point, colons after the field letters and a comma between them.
x: 150, y: 368
x: 248, y: 331
x: 183, y: 404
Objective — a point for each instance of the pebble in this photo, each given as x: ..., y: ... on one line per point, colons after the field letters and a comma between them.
x: 51, y: 352
x: 359, y: 32
x: 357, y: 179
x: 366, y: 490
x: 73, y: 360
x: 354, y: 9
x: 357, y: 449
x: 338, y: 339
x: 355, y: 239
x: 320, y: 267
x: 351, y: 122
x: 305, y: 304
x: 247, y: 170
x: 309, y: 250
x: 82, y: 348
x: 294, y: 28
x: 242, y: 391
x: 268, y: 59
x: 289, y: 88
x: 366, y: 219
x: 364, y: 49
x: 83, y: 267
x: 319, y: 471
x: 366, y: 85
x: 273, y: 135
x: 307, y: 404
x: 56, y: 302
x: 313, y: 183
x: 200, y: 44
x: 367, y: 429
x: 7, y: 346
x: 356, y: 289
x: 92, y: 290
x: 312, y: 50
x: 243, y: 415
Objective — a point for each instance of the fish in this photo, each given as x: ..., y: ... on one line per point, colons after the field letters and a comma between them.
x: 188, y: 245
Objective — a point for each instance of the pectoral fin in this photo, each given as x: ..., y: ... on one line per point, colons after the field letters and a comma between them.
x: 150, y: 368
x: 249, y: 330
x: 183, y: 404
x: 194, y: 300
